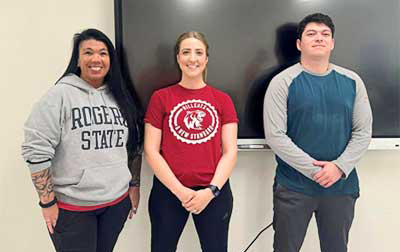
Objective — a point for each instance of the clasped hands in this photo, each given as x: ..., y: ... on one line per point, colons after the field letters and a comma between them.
x: 195, y: 201
x: 328, y: 175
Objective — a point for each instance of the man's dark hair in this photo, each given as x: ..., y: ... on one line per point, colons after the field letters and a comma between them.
x: 315, y: 18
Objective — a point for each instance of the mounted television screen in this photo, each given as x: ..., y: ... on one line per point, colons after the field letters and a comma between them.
x: 253, y: 40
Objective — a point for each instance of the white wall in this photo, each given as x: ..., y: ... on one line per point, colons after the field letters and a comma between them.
x: 35, y: 48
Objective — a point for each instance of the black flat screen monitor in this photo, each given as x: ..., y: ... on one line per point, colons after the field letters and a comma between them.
x: 253, y: 40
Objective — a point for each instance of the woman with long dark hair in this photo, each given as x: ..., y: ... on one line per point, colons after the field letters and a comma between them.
x: 82, y: 145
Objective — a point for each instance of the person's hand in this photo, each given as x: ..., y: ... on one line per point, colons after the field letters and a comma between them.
x: 50, y: 216
x: 328, y: 175
x: 185, y: 195
x: 199, y: 201
x: 134, y: 196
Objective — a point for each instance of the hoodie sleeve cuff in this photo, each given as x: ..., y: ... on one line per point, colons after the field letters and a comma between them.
x: 38, y: 166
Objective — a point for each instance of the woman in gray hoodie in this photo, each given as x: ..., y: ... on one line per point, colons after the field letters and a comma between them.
x: 82, y: 145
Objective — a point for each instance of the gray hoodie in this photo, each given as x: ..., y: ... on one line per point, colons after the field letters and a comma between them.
x: 78, y: 132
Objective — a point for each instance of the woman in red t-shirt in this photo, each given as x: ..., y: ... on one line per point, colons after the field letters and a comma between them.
x: 190, y: 143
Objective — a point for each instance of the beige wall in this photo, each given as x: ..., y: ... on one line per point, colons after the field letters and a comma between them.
x: 35, y: 48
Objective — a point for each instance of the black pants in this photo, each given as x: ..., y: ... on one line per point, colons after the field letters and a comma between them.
x: 293, y: 212
x: 92, y: 231
x: 168, y: 218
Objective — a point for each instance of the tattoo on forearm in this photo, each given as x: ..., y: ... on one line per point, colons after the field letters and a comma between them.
x: 43, y: 183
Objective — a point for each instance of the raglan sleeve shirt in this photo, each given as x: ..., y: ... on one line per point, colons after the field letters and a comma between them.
x: 275, y: 127
x: 361, y: 130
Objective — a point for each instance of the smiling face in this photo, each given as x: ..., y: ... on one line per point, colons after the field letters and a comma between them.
x: 94, y: 61
x: 192, y: 58
x: 316, y: 41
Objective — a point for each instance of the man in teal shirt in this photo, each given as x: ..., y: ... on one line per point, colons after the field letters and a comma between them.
x: 318, y: 121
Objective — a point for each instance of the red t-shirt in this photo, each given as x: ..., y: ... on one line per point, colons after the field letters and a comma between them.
x: 191, y: 122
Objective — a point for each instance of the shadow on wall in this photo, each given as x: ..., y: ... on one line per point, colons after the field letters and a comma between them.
x: 382, y: 88
x: 287, y: 54
x: 164, y: 73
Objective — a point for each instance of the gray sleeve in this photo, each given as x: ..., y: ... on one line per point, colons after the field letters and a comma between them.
x: 42, y: 131
x: 361, y: 131
x: 275, y: 127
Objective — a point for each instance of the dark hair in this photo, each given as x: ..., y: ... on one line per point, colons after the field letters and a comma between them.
x: 315, y: 18
x: 122, y: 91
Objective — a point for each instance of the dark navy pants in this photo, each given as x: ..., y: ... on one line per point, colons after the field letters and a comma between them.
x: 293, y: 212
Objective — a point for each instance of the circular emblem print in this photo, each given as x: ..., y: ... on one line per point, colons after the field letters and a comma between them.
x: 194, y: 121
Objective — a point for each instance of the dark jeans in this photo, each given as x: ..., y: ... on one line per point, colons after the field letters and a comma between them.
x: 168, y: 218
x: 293, y: 212
x: 92, y: 231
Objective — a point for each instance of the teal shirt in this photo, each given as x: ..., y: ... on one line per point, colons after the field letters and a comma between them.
x: 320, y: 117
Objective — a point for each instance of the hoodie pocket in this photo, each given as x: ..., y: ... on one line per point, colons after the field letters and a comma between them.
x: 103, y: 183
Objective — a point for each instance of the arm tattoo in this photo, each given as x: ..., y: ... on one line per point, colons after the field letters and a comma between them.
x: 43, y: 183
x: 135, y: 166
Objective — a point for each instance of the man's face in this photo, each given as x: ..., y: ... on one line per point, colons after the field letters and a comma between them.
x: 316, y: 41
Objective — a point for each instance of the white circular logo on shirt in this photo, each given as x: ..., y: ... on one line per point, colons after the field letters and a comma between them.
x: 194, y: 121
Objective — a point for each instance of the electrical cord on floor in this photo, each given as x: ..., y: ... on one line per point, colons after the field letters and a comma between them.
x: 257, y: 236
